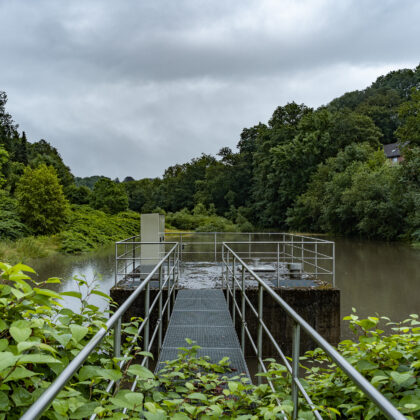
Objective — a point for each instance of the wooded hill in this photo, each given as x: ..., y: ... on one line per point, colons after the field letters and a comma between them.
x: 318, y: 170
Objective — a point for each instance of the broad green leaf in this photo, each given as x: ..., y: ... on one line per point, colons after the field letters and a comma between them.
x: 20, y: 373
x: 3, y: 344
x: 37, y: 358
x: 141, y: 371
x: 4, y: 402
x: 197, y: 396
x: 20, y: 330
x: 53, y: 280
x: 136, y: 398
x: 85, y: 411
x: 400, y: 378
x: 78, y: 332
x: 72, y: 294
x: 47, y: 292
x: 364, y: 364
x: 3, y: 325
x: 102, y: 294
x: 7, y: 359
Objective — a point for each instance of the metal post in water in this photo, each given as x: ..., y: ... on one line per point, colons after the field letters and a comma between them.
x: 295, y: 368
x: 243, y: 312
x: 160, y: 317
x: 147, y: 324
x: 260, y: 330
x: 117, y: 338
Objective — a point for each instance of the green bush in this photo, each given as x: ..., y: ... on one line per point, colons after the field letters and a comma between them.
x: 88, y: 229
x: 11, y: 227
x: 200, y: 221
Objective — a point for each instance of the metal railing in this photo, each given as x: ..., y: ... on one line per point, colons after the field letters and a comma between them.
x: 286, y: 252
x: 167, y: 281
x: 231, y: 262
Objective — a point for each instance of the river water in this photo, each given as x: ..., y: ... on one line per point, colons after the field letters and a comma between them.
x: 374, y: 277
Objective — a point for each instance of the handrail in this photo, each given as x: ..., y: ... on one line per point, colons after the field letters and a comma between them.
x: 359, y: 380
x: 36, y: 409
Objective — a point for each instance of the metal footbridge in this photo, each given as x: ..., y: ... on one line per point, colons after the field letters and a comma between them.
x: 216, y: 317
x: 202, y: 315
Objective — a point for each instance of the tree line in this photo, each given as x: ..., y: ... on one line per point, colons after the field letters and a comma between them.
x: 315, y: 170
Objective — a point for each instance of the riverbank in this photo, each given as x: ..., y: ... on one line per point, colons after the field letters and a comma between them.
x: 86, y: 230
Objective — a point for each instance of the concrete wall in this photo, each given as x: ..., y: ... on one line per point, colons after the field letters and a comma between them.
x: 319, y: 307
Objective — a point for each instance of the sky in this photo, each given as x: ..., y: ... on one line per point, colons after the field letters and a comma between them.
x: 128, y: 88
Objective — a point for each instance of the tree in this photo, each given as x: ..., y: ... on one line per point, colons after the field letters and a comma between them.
x: 109, y: 196
x: 78, y: 195
x: 42, y: 204
x: 409, y: 113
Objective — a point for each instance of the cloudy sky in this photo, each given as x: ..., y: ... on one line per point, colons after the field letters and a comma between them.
x: 131, y: 87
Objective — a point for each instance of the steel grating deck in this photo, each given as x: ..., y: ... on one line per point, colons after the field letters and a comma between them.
x: 203, y: 316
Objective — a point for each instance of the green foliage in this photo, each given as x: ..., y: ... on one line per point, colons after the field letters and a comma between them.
x: 38, y: 338
x: 88, y: 229
x: 409, y: 131
x: 78, y: 195
x: 27, y: 248
x: 390, y: 362
x: 11, y: 226
x: 109, y: 196
x: 359, y: 192
x: 42, y: 204
x: 200, y: 220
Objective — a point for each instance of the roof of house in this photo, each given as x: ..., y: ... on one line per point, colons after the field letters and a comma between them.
x: 392, y: 150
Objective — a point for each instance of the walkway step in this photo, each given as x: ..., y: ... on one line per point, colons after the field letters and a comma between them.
x: 203, y: 316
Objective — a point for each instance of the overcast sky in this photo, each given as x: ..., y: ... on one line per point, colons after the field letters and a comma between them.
x: 131, y: 87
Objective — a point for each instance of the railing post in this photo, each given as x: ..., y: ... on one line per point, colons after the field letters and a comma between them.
x: 117, y: 338
x: 181, y: 244
x: 260, y: 330
x: 233, y: 294
x: 278, y: 264
x: 316, y: 260
x: 249, y: 245
x: 215, y: 246
x: 227, y: 279
x: 134, y: 256
x: 223, y: 266
x: 168, y: 297
x: 116, y: 264
x: 147, y: 324
x: 333, y: 263
x: 243, y: 312
x: 125, y: 261
x: 302, y: 257
x: 160, y: 317
x: 295, y: 368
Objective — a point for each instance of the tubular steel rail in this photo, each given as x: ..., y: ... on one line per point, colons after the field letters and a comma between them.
x: 314, y: 256
x: 167, y: 282
x: 231, y: 262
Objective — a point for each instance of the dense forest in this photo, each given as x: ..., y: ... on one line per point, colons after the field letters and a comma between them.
x: 314, y: 170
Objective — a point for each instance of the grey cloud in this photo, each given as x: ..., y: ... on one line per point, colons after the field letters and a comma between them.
x: 132, y: 87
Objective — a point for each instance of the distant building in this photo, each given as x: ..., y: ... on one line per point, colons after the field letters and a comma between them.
x: 393, y: 153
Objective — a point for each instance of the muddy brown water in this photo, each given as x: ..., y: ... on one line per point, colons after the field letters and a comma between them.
x: 374, y: 277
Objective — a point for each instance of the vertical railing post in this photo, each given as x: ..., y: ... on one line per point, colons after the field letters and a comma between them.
x: 215, y: 246
x: 168, y: 297
x: 260, y: 330
x: 147, y: 314
x: 134, y: 256
x: 160, y: 317
x: 125, y: 261
x: 333, y: 263
x: 243, y: 312
x: 117, y: 338
x: 278, y: 264
x: 249, y: 246
x: 181, y: 244
x: 293, y: 249
x: 295, y: 368
x: 233, y: 293
x: 116, y: 264
x: 316, y: 260
x: 227, y: 278
x: 223, y: 266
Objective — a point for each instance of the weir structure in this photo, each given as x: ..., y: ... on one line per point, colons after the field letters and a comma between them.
x: 243, y: 311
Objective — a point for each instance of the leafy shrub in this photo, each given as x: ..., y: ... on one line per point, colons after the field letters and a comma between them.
x: 200, y: 221
x: 87, y: 229
x: 11, y: 226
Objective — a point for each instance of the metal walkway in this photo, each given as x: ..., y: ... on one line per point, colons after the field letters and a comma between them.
x: 202, y: 315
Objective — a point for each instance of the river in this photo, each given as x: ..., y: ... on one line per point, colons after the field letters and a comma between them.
x: 374, y: 277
